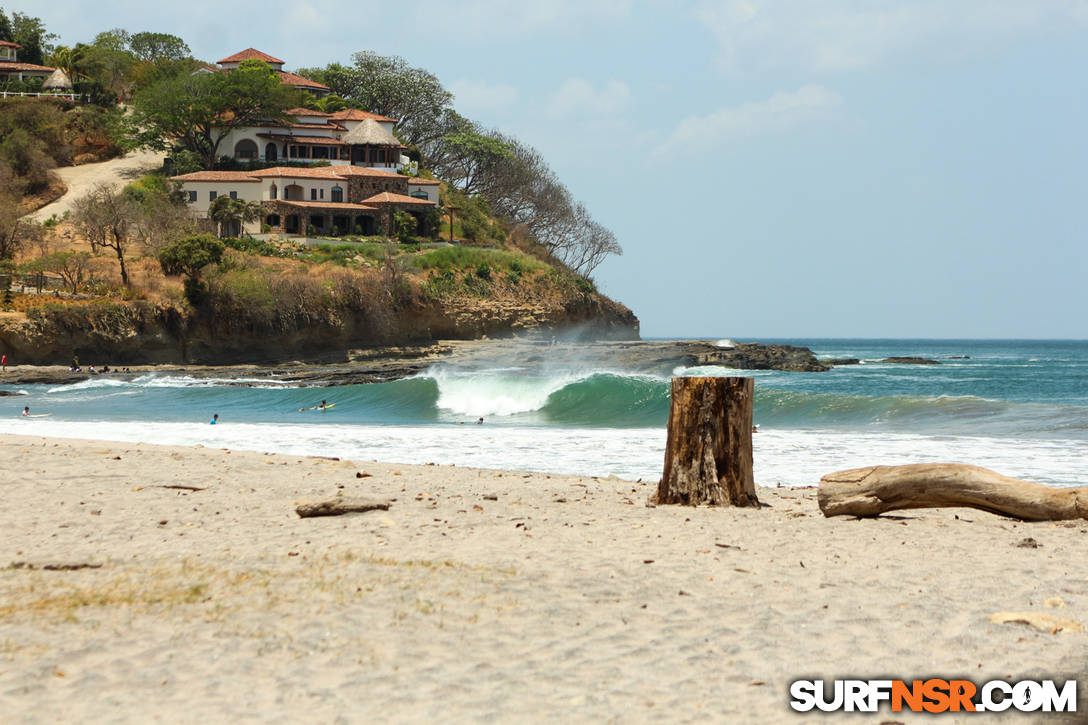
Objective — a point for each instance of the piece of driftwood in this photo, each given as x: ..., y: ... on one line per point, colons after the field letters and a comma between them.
x: 340, y: 506
x: 708, y: 452
x: 874, y: 490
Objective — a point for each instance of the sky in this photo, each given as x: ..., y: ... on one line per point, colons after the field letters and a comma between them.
x: 772, y: 168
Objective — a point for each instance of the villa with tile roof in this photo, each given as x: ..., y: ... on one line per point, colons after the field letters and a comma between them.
x: 12, y: 69
x: 331, y: 199
x: 290, y: 79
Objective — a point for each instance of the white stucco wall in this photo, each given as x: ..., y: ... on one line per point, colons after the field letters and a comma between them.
x: 430, y: 189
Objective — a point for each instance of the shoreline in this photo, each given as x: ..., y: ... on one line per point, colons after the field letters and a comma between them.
x: 485, y: 594
x: 384, y: 364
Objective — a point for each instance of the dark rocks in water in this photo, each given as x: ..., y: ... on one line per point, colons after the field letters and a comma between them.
x: 843, y: 361
x: 755, y: 356
x: 958, y: 357
x: 911, y: 360
x: 4, y: 393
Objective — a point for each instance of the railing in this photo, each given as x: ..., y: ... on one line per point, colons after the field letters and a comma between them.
x: 69, y: 96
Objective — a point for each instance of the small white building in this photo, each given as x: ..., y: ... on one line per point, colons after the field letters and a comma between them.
x: 11, y: 69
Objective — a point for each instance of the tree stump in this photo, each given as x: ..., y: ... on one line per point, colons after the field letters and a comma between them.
x: 708, y: 455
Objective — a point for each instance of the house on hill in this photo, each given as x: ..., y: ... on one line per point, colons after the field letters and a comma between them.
x: 330, y: 200
x: 289, y: 79
x: 12, y: 70
x: 350, y: 137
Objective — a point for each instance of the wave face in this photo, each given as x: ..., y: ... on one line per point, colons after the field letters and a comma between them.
x: 988, y: 402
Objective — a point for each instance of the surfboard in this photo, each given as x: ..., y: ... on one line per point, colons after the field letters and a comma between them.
x: 318, y: 407
x: 37, y: 415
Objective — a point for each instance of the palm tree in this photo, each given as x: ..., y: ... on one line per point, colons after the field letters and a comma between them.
x: 225, y: 212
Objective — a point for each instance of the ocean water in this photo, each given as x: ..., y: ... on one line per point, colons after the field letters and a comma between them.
x: 1018, y: 407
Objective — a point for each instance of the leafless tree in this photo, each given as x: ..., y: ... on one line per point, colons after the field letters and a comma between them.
x: 107, y: 219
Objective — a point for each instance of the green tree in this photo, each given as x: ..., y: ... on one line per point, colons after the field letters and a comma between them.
x: 196, y: 112
x: 190, y: 255
x: 156, y: 47
x: 225, y: 212
x: 5, y: 27
x: 31, y: 34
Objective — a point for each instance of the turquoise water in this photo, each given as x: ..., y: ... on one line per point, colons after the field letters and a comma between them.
x: 1020, y: 405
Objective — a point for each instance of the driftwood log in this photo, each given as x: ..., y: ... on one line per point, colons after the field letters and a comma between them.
x: 874, y: 490
x: 708, y: 453
x: 340, y: 506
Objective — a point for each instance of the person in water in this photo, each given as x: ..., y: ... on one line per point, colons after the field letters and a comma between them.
x: 323, y: 405
x: 215, y: 419
x: 26, y: 411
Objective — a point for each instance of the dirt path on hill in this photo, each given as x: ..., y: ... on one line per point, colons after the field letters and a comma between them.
x: 81, y: 179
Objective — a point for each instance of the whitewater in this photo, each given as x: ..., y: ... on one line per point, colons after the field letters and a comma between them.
x: 1018, y: 407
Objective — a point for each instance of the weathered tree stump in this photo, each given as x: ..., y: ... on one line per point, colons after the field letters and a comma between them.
x: 708, y: 455
x: 872, y: 491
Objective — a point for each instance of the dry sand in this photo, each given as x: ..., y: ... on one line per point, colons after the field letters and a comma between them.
x: 565, y: 599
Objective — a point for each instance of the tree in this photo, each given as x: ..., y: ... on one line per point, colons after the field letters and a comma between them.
x: 105, y: 217
x: 71, y: 266
x: 190, y: 255
x: 5, y: 27
x: 155, y: 47
x: 226, y: 212
x: 31, y: 34
x: 388, y: 86
x: 196, y: 112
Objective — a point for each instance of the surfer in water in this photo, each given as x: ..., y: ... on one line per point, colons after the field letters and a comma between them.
x: 214, y: 420
x: 26, y: 411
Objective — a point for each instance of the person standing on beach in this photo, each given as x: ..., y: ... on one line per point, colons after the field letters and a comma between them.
x: 4, y: 363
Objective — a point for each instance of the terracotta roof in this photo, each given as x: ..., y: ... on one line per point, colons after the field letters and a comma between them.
x: 9, y: 44
x: 388, y: 198
x: 249, y: 54
x: 366, y: 171
x: 305, y: 112
x: 304, y: 140
x: 7, y: 65
x: 293, y: 79
x: 328, y: 205
x: 300, y: 172
x: 353, y: 114
x: 429, y: 182
x: 243, y: 176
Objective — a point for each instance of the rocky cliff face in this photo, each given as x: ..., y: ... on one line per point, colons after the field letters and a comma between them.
x: 139, y: 333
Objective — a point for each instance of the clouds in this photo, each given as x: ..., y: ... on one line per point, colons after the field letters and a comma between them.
x: 499, y: 20
x: 578, y: 97
x: 832, y: 36
x: 777, y: 114
x: 473, y: 97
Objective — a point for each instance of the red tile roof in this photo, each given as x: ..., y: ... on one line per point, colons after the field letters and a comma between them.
x: 429, y: 182
x: 353, y: 114
x: 7, y: 65
x: 328, y: 205
x: 389, y: 198
x: 365, y: 171
x: 305, y: 112
x: 9, y: 44
x: 292, y: 79
x: 242, y: 176
x: 249, y: 54
x: 288, y: 172
x: 304, y: 140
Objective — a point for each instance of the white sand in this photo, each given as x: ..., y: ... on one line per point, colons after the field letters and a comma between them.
x: 565, y: 600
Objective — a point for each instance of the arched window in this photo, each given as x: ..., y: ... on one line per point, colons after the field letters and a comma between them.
x: 337, y: 194
x: 272, y: 220
x: 245, y: 149
x: 273, y: 192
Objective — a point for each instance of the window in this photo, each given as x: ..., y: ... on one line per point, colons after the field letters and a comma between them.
x: 313, y: 194
x: 234, y: 195
x: 245, y: 149
x: 192, y: 196
x: 321, y: 193
x: 272, y: 220
x: 337, y: 194
x: 272, y: 193
x: 211, y: 196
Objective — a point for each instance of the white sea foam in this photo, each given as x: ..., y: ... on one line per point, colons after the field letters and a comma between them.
x: 497, y: 392
x: 789, y: 457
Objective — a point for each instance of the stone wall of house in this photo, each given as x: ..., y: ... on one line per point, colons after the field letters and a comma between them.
x: 361, y: 188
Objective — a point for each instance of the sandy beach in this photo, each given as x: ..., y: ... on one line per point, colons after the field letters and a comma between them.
x: 487, y: 596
